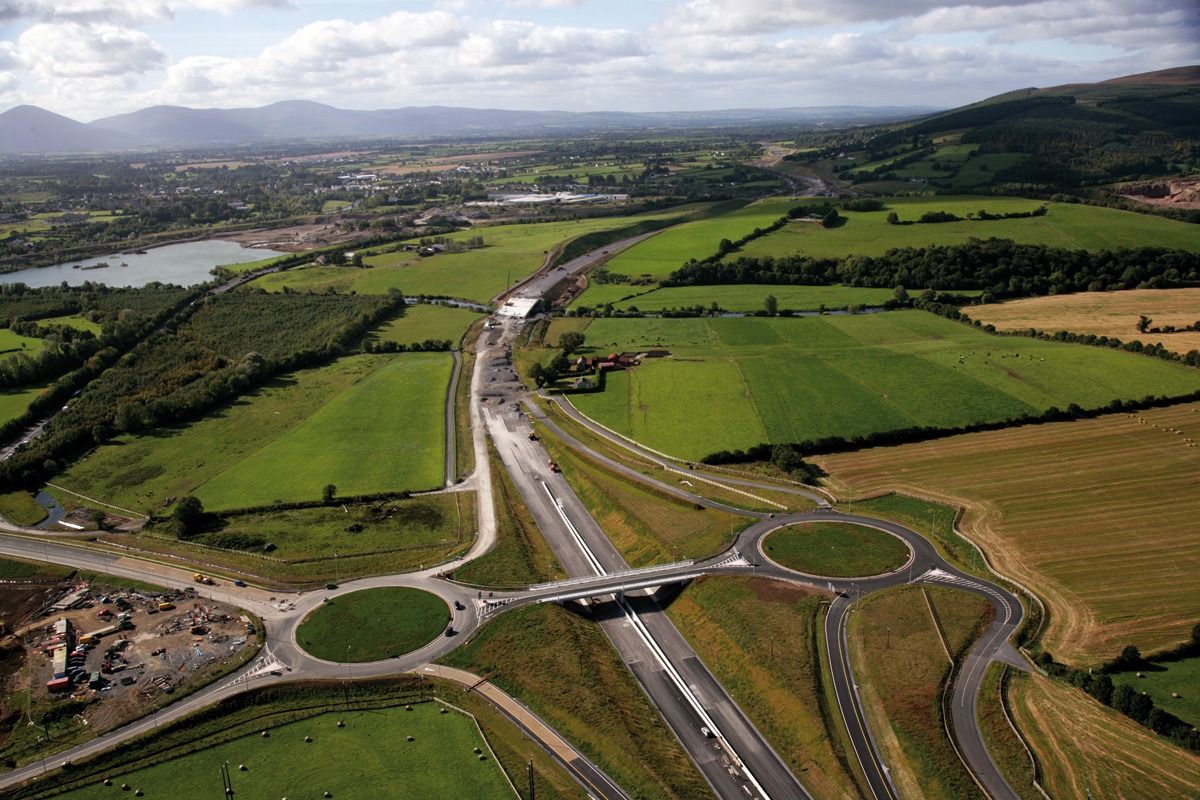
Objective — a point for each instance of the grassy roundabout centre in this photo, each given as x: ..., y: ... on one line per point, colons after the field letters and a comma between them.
x: 836, y: 549
x: 373, y: 624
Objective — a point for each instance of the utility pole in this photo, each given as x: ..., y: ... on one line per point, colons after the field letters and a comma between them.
x: 529, y: 771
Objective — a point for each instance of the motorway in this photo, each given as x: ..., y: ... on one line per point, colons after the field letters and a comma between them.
x: 735, y: 758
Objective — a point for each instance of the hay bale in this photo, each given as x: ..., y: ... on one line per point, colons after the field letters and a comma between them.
x: 107, y: 782
x: 242, y: 767
x: 125, y: 787
x: 265, y: 734
x: 410, y: 738
x: 308, y: 738
x: 341, y: 724
x: 482, y: 757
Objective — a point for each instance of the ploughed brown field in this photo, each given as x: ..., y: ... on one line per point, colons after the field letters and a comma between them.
x: 1098, y: 517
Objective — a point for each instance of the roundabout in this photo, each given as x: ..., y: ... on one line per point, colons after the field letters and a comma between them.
x: 372, y: 624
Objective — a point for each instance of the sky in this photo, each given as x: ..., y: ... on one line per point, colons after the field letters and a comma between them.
x: 94, y: 58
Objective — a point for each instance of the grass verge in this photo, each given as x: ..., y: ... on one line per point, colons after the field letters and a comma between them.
x: 314, y: 545
x: 697, y: 486
x: 565, y: 670
x: 646, y: 526
x: 1005, y: 748
x: 898, y: 646
x: 759, y: 639
x: 521, y: 556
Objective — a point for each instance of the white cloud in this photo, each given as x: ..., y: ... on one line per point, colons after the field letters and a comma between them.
x: 703, y: 54
x: 71, y: 50
x: 128, y: 12
x: 545, y: 3
x: 1011, y: 20
x: 1115, y: 23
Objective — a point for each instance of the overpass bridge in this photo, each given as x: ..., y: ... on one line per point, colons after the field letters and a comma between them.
x: 613, y: 583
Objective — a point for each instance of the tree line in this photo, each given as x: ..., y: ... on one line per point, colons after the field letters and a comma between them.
x: 1001, y: 268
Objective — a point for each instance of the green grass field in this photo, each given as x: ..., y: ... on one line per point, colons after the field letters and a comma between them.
x: 15, y: 402
x: 662, y: 254
x: 75, y: 321
x: 12, y: 344
x: 369, y: 757
x: 1074, y: 227
x: 373, y: 624
x: 400, y: 428
x: 385, y: 433
x: 836, y: 550
x: 1165, y: 679
x: 733, y: 383
x: 511, y: 252
x: 421, y: 322
x: 738, y: 299
x: 419, y: 530
x: 19, y: 507
x: 13, y: 570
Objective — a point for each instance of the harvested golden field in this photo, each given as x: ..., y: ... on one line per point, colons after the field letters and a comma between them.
x: 1097, y: 516
x: 1104, y: 314
x: 1105, y: 752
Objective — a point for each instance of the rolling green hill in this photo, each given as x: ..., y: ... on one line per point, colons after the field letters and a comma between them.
x: 1079, y: 135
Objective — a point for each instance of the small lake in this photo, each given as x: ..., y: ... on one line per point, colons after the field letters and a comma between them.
x: 182, y: 264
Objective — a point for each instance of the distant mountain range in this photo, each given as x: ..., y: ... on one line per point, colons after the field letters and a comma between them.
x: 29, y: 129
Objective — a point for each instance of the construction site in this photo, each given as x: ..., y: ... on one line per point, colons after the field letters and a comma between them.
x: 89, y: 657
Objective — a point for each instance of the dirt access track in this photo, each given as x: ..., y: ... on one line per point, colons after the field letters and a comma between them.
x: 293, y: 239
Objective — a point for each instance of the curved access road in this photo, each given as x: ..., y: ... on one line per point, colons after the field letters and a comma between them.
x: 925, y: 566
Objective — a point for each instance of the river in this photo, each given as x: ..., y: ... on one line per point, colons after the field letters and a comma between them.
x: 182, y: 264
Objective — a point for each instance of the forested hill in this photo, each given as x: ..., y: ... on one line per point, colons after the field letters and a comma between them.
x: 1134, y: 128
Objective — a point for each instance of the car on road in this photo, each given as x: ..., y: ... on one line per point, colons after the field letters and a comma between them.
x: 331, y: 586
x: 239, y: 582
